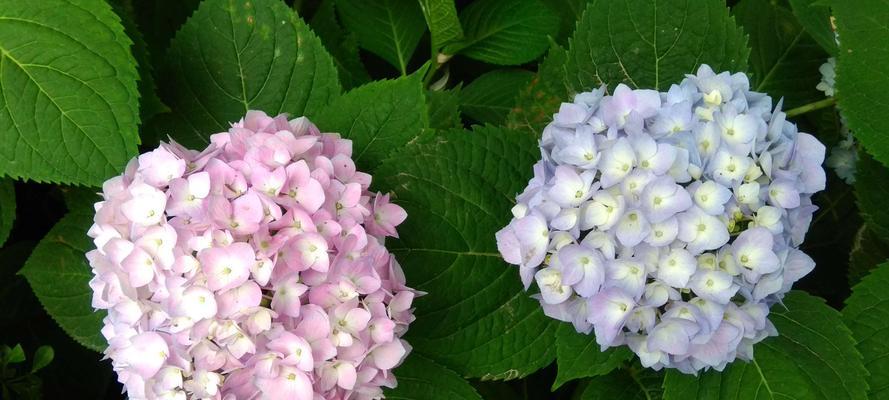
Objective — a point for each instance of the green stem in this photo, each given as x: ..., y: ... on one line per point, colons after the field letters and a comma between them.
x: 828, y: 102
x: 433, y: 68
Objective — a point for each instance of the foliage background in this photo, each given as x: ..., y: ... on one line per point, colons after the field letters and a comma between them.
x: 470, y: 119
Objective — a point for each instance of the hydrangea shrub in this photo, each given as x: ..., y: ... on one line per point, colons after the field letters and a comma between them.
x: 665, y: 243
x: 668, y: 222
x: 255, y: 267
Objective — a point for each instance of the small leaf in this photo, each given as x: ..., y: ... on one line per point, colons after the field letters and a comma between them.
x: 861, y: 82
x: 815, y: 17
x: 871, y: 191
x: 420, y: 378
x: 441, y: 18
x: 457, y: 188
x: 490, y: 97
x: 14, y: 355
x: 342, y: 45
x: 444, y: 108
x: 390, y: 29
x: 785, y: 63
x: 633, y: 384
x: 69, y: 107
x: 42, y: 357
x: 569, y: 12
x: 536, y: 104
x: 149, y: 102
x: 579, y: 356
x: 813, y: 357
x: 159, y: 20
x: 234, y: 56
x: 59, y: 275
x: 7, y: 208
x: 867, y: 315
x: 505, y: 32
x: 378, y: 117
x: 868, y: 251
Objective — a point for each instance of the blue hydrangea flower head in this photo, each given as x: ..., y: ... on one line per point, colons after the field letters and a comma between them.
x: 668, y: 222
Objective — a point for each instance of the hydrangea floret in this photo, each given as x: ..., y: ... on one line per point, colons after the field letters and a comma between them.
x: 668, y: 222
x: 255, y: 268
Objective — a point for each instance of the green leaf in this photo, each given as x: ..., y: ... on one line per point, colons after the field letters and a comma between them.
x: 579, y: 356
x: 868, y: 251
x: 871, y: 191
x: 441, y: 18
x: 505, y: 32
x: 569, y: 12
x: 489, y: 98
x: 7, y: 208
x: 149, y: 102
x: 634, y: 384
x: 159, y: 20
x: 813, y: 357
x: 14, y: 355
x: 378, y: 117
x: 815, y: 17
x: 862, y: 80
x: 342, y: 45
x: 652, y: 44
x: 607, y: 48
x: 536, y: 104
x: 420, y: 378
x: 234, y: 56
x: 457, y: 188
x: 867, y: 315
x: 69, y: 107
x: 59, y: 274
x: 390, y: 29
x: 785, y: 63
x: 444, y: 108
x: 42, y: 357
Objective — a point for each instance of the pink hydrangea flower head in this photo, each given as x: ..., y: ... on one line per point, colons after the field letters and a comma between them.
x: 255, y: 268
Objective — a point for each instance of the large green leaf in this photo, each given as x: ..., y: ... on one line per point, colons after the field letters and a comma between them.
x: 815, y: 17
x: 642, y: 43
x: 441, y: 17
x: 420, y: 378
x: 867, y: 315
x: 490, y: 97
x: 342, y: 45
x: 785, y: 63
x: 634, y: 384
x: 579, y: 356
x: 506, y: 32
x: 814, y: 357
x: 59, y: 274
x: 69, y: 107
x: 7, y: 208
x: 652, y: 43
x: 378, y: 117
x: 871, y: 191
x: 457, y: 188
x: 390, y: 29
x: 862, y: 77
x: 233, y: 56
